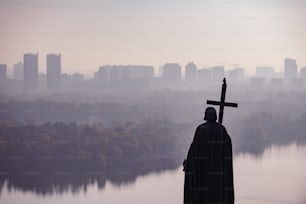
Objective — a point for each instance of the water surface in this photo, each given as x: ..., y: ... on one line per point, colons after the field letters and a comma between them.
x: 277, y: 176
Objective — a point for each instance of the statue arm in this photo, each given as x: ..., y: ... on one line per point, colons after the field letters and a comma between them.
x: 191, y: 152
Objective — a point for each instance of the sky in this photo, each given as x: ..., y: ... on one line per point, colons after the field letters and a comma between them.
x: 91, y: 33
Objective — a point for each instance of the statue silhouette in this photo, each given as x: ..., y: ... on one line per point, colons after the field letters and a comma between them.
x: 208, y: 168
x: 209, y: 165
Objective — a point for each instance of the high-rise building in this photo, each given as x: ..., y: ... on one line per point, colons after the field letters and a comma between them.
x: 204, y: 75
x: 124, y: 73
x: 30, y: 71
x: 172, y: 72
x: 3, y: 78
x: 53, y: 71
x: 264, y: 71
x: 236, y: 75
x: 102, y: 74
x: 290, y: 69
x: 257, y: 82
x: 297, y: 83
x: 124, y: 76
x: 217, y: 73
x: 303, y: 72
x: 190, y: 72
x: 3, y: 72
x: 141, y: 71
x: 18, y: 71
x: 114, y: 74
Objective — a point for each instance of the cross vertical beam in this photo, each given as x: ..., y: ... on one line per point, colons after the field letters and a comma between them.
x: 221, y: 108
x: 222, y: 102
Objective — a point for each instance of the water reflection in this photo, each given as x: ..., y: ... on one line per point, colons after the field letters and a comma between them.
x: 277, y: 176
x: 59, y: 180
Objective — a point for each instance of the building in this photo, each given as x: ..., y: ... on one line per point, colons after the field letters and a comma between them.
x: 3, y: 78
x: 65, y: 77
x: 30, y: 71
x: 204, y: 75
x: 77, y: 77
x: 172, y: 72
x: 114, y: 74
x: 66, y: 81
x: 18, y: 71
x: 217, y: 73
x: 75, y: 82
x: 141, y: 71
x: 3, y: 72
x: 257, y: 82
x: 190, y: 72
x: 303, y: 72
x: 124, y: 76
x: 236, y: 75
x: 264, y: 71
x: 102, y: 74
x: 297, y: 83
x: 124, y: 73
x: 290, y: 69
x: 54, y: 70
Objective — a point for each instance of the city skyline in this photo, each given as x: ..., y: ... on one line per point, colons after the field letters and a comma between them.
x: 90, y: 33
x: 136, y: 77
x: 260, y: 71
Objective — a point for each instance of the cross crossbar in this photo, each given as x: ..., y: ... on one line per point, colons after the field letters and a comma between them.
x: 222, y: 102
x: 217, y: 103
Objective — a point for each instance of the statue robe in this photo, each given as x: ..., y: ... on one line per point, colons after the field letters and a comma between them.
x: 209, y: 168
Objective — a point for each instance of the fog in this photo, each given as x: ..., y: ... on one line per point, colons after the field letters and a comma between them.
x: 98, y: 132
x: 177, y: 106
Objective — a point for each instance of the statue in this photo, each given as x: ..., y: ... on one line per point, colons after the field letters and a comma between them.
x: 209, y: 165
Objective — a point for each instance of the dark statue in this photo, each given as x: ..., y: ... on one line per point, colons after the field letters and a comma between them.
x: 209, y: 165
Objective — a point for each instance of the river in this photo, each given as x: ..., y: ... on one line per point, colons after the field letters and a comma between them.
x: 277, y: 176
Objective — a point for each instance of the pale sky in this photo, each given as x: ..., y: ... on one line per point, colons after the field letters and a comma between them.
x: 90, y: 33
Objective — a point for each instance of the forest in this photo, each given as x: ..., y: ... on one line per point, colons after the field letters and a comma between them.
x: 132, y: 143
x: 38, y: 157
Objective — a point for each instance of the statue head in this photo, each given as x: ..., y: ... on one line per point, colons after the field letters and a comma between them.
x: 210, y: 114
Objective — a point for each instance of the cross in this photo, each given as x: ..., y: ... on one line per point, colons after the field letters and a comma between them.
x: 222, y: 102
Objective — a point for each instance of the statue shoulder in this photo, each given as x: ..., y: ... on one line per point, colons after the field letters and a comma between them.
x: 202, y: 126
x: 221, y: 126
x: 207, y: 125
